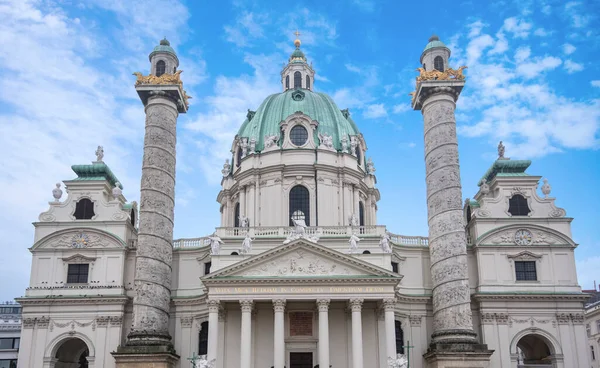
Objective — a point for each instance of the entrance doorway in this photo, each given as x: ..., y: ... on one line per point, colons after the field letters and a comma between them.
x: 301, y: 360
x: 533, y: 351
x: 72, y: 352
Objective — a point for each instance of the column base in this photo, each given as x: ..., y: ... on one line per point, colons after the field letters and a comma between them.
x: 458, y: 355
x: 156, y: 356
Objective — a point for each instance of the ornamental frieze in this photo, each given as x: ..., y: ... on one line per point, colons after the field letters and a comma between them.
x: 522, y: 237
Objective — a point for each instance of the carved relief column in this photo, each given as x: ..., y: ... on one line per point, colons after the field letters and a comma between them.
x: 323, y: 305
x: 357, y: 343
x: 164, y: 98
x: 279, y: 333
x: 213, y: 329
x: 452, y: 320
x: 390, y: 327
x: 246, y: 335
x: 157, y: 202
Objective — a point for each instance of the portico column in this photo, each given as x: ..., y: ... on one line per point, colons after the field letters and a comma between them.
x: 278, y: 333
x: 390, y: 327
x: 213, y: 329
x: 356, y: 200
x: 323, y: 305
x: 357, y: 344
x: 246, y: 335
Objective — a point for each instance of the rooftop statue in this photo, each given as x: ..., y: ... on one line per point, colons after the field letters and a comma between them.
x: 354, y: 239
x: 99, y: 154
x: 384, y: 243
x: 215, y: 244
x: 501, y: 149
x: 247, y: 244
x: 57, y: 193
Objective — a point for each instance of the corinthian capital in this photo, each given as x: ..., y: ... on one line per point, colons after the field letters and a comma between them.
x: 246, y: 305
x: 388, y: 304
x: 323, y: 305
x: 213, y: 306
x: 355, y: 304
x: 279, y: 305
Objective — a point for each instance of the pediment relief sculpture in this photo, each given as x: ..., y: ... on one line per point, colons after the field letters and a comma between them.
x: 524, y: 236
x: 80, y: 239
x: 302, y: 263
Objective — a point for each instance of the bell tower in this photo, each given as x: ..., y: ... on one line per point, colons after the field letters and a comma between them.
x: 438, y: 88
x: 297, y: 73
x: 149, y: 342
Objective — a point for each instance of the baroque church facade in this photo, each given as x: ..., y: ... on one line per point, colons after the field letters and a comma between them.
x: 299, y: 273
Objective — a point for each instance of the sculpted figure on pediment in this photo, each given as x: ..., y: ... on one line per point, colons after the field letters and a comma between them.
x: 301, y: 263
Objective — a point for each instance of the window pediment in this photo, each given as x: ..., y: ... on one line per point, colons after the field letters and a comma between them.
x: 79, y: 258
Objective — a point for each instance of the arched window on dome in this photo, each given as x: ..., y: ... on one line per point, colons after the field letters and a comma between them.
x: 238, y: 157
x: 469, y: 215
x: 84, y: 209
x: 517, y: 206
x: 236, y: 215
x: 297, y: 80
x: 287, y: 82
x: 307, y: 82
x: 438, y: 63
x: 359, y: 156
x: 299, y: 205
x: 361, y: 214
x: 161, y: 68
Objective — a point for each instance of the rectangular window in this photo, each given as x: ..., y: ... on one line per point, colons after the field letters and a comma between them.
x: 395, y: 267
x: 78, y: 273
x: 593, y: 353
x: 207, y: 267
x: 8, y: 363
x: 9, y: 343
x: 525, y: 271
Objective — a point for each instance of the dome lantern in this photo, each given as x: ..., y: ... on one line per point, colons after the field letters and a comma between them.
x: 297, y: 74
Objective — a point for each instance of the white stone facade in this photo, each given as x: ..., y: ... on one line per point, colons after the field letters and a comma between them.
x: 260, y: 295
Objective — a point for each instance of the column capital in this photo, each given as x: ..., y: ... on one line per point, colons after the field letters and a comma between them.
x: 388, y: 304
x: 279, y: 305
x: 246, y: 305
x: 213, y: 305
x: 355, y: 304
x: 323, y: 305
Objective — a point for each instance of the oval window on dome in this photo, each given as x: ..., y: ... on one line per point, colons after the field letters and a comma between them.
x: 299, y: 135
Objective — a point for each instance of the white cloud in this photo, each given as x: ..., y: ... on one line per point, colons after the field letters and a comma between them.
x: 412, y: 145
x: 574, y: 11
x: 248, y: 27
x: 321, y: 78
x: 519, y: 28
x: 537, y: 66
x: 79, y: 104
x: 365, y: 5
x: 568, y: 49
x: 477, y: 46
x: 547, y: 9
x: 375, y: 111
x: 353, y: 68
x: 501, y: 45
x: 400, y: 108
x: 541, y: 32
x: 572, y: 67
x: 595, y: 83
x: 522, y: 54
x: 475, y: 28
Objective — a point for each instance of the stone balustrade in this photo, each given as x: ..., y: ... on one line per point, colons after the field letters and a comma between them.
x: 282, y: 232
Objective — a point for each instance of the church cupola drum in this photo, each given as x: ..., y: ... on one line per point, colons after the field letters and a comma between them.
x: 298, y: 157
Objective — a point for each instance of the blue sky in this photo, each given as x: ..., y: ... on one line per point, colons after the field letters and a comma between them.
x: 66, y: 87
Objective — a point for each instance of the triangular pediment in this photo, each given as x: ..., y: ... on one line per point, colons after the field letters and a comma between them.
x: 302, y: 259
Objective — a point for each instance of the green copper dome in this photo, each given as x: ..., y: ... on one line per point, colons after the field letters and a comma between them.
x: 164, y: 46
x: 297, y: 56
x: 278, y: 107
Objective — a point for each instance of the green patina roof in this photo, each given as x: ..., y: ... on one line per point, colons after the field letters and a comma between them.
x: 165, y: 46
x: 434, y: 42
x: 506, y: 168
x: 96, y: 171
x: 278, y: 107
x: 473, y: 203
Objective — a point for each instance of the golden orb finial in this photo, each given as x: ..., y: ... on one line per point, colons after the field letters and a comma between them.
x: 297, y: 42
